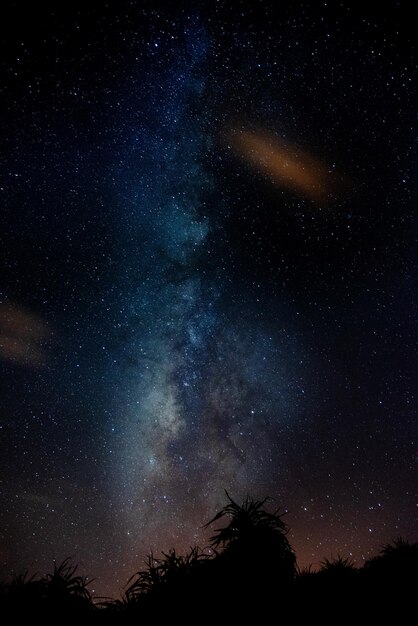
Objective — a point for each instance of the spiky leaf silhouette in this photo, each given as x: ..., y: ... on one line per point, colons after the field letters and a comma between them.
x: 168, y: 572
x: 253, y: 544
x: 397, y: 560
x: 64, y: 582
x: 62, y: 590
x: 339, y: 565
x: 244, y: 519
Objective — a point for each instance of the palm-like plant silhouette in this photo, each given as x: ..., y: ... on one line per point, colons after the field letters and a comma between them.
x: 172, y: 578
x: 340, y: 567
x: 397, y: 563
x: 250, y: 563
x: 338, y: 575
x: 63, y: 590
x: 24, y: 590
x: 254, y: 544
x: 170, y: 572
x: 64, y: 585
x: 244, y: 519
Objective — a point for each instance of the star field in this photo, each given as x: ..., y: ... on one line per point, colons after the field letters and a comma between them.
x: 208, y: 277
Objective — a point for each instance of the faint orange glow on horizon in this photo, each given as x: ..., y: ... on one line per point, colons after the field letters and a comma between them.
x: 284, y: 165
x: 21, y: 335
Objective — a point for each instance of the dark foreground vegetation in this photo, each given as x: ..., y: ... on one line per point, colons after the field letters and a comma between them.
x: 249, y: 573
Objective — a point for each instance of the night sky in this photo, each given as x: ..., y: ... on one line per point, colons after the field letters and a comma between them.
x: 208, y: 279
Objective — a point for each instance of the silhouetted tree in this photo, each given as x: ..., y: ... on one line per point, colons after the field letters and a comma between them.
x: 253, y: 553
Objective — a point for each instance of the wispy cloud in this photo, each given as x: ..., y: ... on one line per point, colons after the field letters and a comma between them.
x: 284, y: 164
x: 22, y: 335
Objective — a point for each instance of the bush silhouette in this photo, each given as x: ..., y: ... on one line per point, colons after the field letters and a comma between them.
x: 396, y: 565
x: 253, y: 554
x: 62, y: 591
x: 172, y: 578
x: 249, y: 566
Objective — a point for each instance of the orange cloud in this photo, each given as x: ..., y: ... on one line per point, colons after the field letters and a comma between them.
x: 285, y: 165
x: 22, y: 335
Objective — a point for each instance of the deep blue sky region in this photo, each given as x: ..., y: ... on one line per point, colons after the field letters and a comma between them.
x: 208, y: 253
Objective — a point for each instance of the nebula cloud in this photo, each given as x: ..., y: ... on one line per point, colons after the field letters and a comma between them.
x: 22, y: 335
x: 285, y: 165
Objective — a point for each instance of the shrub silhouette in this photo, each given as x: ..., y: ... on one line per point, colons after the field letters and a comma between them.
x: 339, y: 577
x: 172, y: 577
x: 396, y: 565
x: 335, y: 582
x: 65, y: 589
x: 341, y: 569
x: 253, y: 554
x: 61, y: 591
x: 249, y: 567
x: 23, y: 591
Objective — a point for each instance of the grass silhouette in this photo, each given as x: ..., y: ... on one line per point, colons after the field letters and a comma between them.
x: 249, y: 566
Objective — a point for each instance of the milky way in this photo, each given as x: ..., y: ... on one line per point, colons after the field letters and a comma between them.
x: 201, y: 394
x: 208, y: 278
